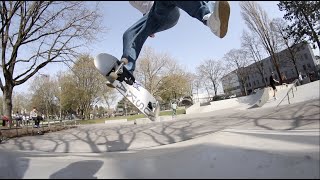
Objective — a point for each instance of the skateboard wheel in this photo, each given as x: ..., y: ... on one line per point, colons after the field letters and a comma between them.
x: 113, y: 75
x: 125, y: 60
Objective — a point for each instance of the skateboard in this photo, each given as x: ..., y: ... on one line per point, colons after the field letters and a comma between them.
x: 116, y: 73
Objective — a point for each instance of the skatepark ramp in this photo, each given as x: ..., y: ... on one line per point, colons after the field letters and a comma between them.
x: 238, y: 103
x: 294, y: 94
x: 259, y: 99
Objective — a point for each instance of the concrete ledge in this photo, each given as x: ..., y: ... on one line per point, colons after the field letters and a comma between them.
x: 142, y: 121
x: 115, y: 121
x: 147, y: 120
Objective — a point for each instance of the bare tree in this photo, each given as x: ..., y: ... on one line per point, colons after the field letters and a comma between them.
x: 253, y: 47
x: 152, y: 67
x: 208, y: 87
x: 175, y: 85
x: 161, y: 75
x: 211, y: 70
x: 44, y: 95
x: 21, y: 102
x: 196, y: 85
x: 68, y: 94
x: 258, y: 22
x: 5, y: 16
x: 108, y: 95
x: 237, y: 60
x: 87, y: 84
x: 36, y: 33
x: 287, y: 41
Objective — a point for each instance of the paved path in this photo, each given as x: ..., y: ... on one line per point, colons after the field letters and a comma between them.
x: 264, y: 142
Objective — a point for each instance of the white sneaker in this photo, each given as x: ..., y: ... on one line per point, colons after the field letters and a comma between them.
x: 219, y: 19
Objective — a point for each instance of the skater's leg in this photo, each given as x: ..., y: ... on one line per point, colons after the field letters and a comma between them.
x: 158, y: 19
x: 196, y: 9
x: 214, y: 15
x: 133, y: 40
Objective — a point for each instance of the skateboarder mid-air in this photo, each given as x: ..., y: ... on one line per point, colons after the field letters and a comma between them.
x: 162, y: 15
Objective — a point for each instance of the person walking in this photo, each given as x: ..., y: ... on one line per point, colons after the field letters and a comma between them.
x: 174, y: 109
x: 273, y: 85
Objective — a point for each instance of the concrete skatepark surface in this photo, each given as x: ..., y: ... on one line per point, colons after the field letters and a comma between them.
x: 266, y: 142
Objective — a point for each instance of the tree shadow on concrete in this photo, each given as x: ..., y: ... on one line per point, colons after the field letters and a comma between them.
x: 105, y: 138
x: 294, y: 116
x: 124, y: 137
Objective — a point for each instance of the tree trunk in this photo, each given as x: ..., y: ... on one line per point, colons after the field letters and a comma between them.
x: 215, y: 89
x: 244, y: 86
x: 260, y: 68
x: 7, y: 103
x: 294, y: 61
x: 275, y: 63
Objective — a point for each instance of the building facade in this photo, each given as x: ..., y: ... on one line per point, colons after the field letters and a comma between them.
x: 258, y: 76
x: 231, y: 84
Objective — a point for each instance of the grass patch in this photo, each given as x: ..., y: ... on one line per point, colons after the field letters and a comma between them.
x: 129, y: 118
x: 169, y: 113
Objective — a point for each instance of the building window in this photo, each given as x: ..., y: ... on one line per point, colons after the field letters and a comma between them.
x: 305, y: 56
x: 266, y: 80
x: 304, y: 67
x: 254, y: 83
x: 309, y: 66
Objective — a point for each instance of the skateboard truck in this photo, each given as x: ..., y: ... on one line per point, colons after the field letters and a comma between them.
x: 122, y: 74
x: 119, y: 69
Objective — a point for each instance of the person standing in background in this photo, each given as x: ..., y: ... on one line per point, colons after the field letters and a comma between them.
x: 34, y: 116
x: 273, y: 85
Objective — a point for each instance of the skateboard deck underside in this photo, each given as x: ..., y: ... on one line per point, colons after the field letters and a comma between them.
x: 135, y: 93
x: 139, y: 97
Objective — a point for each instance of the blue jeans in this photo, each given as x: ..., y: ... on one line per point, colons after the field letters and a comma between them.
x: 162, y: 16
